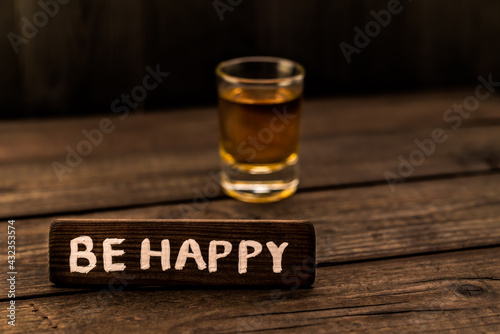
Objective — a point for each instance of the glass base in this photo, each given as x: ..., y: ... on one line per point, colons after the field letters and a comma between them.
x: 249, y: 183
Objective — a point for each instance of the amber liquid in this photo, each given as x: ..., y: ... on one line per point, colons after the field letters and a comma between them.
x: 259, y: 126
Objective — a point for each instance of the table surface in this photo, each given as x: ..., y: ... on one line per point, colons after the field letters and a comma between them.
x: 422, y: 257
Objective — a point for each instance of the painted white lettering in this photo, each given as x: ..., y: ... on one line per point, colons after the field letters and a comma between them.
x: 244, y: 256
x: 184, y: 254
x: 277, y: 254
x: 108, y: 253
x: 213, y: 256
x: 86, y: 254
x: 146, y: 254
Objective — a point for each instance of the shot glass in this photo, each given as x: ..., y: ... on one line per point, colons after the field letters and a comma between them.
x: 260, y: 102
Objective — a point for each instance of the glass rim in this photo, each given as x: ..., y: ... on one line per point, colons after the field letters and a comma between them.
x: 260, y: 59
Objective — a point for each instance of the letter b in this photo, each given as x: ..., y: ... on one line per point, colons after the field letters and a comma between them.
x: 86, y: 254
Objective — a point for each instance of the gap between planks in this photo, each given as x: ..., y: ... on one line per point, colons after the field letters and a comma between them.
x: 413, y: 179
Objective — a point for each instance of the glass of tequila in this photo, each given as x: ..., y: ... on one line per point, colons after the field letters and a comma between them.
x: 260, y: 102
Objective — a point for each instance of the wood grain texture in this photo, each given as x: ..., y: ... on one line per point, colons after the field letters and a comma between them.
x: 423, y: 258
x: 352, y: 225
x: 157, y: 158
x: 438, y: 293
x: 296, y: 264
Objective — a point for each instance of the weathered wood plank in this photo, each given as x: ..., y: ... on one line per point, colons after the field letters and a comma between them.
x: 456, y: 291
x: 47, y: 138
x: 352, y: 224
x: 194, y: 252
x: 157, y: 158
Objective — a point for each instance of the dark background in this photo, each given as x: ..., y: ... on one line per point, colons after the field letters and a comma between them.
x: 90, y: 52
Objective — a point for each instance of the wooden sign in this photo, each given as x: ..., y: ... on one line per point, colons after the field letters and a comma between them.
x: 182, y: 252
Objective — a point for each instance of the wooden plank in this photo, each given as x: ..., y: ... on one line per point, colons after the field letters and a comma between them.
x: 140, y: 131
x: 352, y: 224
x: 156, y: 158
x: 221, y: 252
x: 455, y: 291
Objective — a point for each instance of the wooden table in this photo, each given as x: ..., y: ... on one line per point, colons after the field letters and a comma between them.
x: 422, y: 258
